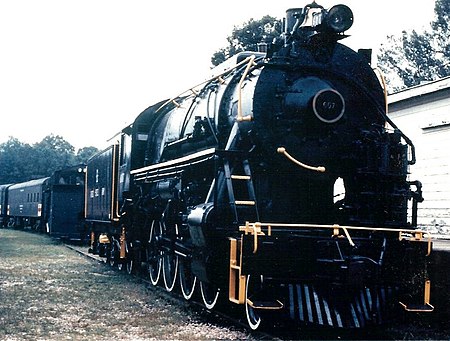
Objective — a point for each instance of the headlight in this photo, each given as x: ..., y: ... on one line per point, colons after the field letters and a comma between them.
x: 339, y: 18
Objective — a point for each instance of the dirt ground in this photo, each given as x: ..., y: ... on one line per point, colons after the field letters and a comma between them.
x: 49, y: 292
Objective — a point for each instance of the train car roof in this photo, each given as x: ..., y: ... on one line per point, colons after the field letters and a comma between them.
x: 30, y: 183
x: 2, y: 187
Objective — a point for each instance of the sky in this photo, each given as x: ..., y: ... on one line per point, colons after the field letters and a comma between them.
x: 84, y: 69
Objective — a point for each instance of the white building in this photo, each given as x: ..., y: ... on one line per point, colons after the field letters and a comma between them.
x: 423, y: 114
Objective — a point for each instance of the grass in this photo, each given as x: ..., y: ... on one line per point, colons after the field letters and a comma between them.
x: 49, y: 292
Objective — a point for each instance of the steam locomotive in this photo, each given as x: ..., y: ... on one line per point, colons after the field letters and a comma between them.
x: 279, y: 184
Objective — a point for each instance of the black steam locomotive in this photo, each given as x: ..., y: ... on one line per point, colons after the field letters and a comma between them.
x: 279, y: 183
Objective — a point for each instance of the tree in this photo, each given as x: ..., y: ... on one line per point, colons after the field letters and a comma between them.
x: 247, y: 37
x: 441, y: 26
x: 85, y: 154
x: 21, y: 162
x: 416, y: 57
x: 16, y: 160
x: 440, y: 23
x: 54, y: 153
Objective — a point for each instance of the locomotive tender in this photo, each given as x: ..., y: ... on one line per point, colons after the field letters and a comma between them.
x: 279, y: 183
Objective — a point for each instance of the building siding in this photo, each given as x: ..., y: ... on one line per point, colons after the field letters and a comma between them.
x: 423, y: 114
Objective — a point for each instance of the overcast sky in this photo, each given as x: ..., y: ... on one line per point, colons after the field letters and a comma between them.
x: 83, y: 69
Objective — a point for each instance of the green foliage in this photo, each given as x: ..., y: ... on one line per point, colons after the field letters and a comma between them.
x: 442, y: 16
x: 16, y: 159
x: 247, y: 37
x: 53, y: 153
x: 416, y: 57
x: 22, y: 162
x: 84, y: 154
